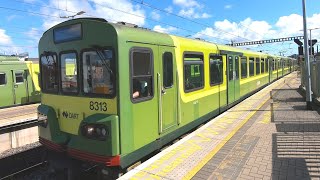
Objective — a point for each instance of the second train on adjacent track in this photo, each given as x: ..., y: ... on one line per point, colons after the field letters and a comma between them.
x: 113, y: 93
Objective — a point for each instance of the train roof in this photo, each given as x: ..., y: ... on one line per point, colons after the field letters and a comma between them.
x: 130, y: 32
x: 10, y: 58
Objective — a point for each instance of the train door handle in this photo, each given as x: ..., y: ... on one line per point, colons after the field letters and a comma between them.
x: 163, y: 91
x: 15, y: 86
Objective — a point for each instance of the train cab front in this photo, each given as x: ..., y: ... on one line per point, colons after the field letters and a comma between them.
x: 78, y: 112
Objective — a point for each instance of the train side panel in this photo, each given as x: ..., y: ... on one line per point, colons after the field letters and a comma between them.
x: 19, y: 84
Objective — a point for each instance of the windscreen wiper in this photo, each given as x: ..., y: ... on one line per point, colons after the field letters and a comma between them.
x: 48, y: 54
x: 103, y: 58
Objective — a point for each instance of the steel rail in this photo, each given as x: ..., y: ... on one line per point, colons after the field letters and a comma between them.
x: 19, y: 126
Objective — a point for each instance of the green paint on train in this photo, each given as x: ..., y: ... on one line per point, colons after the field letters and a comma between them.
x: 114, y: 93
x: 18, y: 81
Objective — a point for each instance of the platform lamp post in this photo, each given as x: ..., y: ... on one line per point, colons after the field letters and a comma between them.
x: 72, y: 16
x: 311, y: 43
x: 306, y: 57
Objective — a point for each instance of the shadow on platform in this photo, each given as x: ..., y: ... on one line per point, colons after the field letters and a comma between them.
x: 296, y: 144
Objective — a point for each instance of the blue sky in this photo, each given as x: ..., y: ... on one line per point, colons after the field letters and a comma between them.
x: 22, y: 22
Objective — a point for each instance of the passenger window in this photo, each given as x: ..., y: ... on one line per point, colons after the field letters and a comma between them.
x: 257, y: 66
x: 19, y: 77
x: 244, y: 67
x: 193, y: 72
x: 3, y: 79
x: 69, y: 78
x: 167, y: 70
x: 98, y: 72
x: 251, y: 66
x: 141, y: 74
x: 49, y: 73
x: 262, y: 65
x: 216, y: 70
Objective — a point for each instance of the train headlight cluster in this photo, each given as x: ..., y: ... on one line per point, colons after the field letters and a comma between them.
x: 42, y: 120
x: 95, y: 131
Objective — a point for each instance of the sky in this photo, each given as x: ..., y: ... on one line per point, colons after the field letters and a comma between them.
x: 22, y: 22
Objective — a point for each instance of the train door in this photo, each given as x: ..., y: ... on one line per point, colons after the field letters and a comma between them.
x: 6, y: 94
x: 233, y: 78
x: 167, y: 88
x: 268, y: 69
x: 20, y: 90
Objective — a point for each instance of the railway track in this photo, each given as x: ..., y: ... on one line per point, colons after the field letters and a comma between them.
x: 16, y: 162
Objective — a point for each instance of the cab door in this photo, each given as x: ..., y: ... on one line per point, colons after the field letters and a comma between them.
x: 20, y: 90
x: 167, y: 88
x: 233, y: 85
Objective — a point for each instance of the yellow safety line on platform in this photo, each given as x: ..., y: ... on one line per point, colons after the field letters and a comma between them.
x: 192, y: 172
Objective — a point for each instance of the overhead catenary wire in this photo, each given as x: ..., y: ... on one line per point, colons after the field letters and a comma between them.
x: 196, y: 22
x: 109, y: 19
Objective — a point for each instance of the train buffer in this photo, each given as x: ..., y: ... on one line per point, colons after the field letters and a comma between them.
x: 270, y: 135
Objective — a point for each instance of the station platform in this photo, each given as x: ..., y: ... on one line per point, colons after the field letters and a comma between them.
x: 18, y: 114
x: 16, y: 127
x: 270, y: 135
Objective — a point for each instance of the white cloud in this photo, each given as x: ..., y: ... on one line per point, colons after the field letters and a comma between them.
x: 30, y: 1
x: 4, y: 38
x: 250, y: 30
x: 289, y: 25
x: 169, y: 29
x: 169, y: 9
x: 191, y: 13
x: 186, y: 3
x: 191, y: 9
x: 155, y: 16
x: 292, y: 25
x: 34, y: 34
x: 111, y: 10
x: 10, y: 18
x: 245, y: 30
x: 6, y: 44
x: 229, y: 6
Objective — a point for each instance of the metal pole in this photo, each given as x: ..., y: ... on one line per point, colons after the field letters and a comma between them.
x: 306, y: 57
x: 310, y: 44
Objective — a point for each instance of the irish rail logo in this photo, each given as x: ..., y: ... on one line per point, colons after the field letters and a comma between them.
x: 70, y: 115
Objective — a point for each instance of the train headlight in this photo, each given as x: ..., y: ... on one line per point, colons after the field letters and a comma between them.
x: 103, y: 132
x: 42, y: 120
x: 90, y: 130
x: 94, y: 131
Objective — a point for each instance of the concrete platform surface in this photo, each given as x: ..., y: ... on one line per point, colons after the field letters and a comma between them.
x: 18, y: 114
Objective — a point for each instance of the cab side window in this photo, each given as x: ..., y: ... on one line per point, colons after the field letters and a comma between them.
x: 141, y: 74
x: 49, y: 73
x: 3, y: 79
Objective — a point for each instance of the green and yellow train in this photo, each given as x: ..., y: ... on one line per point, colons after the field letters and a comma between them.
x: 113, y: 93
x: 18, y: 81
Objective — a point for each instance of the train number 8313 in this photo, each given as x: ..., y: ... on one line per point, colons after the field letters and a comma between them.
x: 98, y: 106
